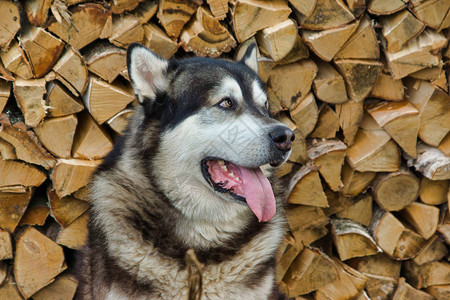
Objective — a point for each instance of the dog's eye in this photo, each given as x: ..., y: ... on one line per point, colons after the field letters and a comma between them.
x: 226, y: 102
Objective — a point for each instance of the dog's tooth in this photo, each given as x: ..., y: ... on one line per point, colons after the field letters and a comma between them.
x: 221, y: 162
x: 224, y: 168
x: 231, y: 174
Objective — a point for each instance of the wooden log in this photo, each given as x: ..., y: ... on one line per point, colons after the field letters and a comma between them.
x: 7, y: 151
x: 431, y: 162
x: 105, y: 60
x: 434, y: 107
x: 329, y: 85
x: 119, y: 122
x: 434, y: 250
x: 250, y: 16
x: 205, y: 36
x: 6, y: 248
x: 327, y: 123
x: 56, y: 134
x: 38, y: 260
x: 60, y: 101
x: 299, y: 51
x: 400, y: 28
x: 355, y: 182
x: 278, y: 40
x: 422, y: 217
x: 120, y: 6
x: 72, y: 71
x: 16, y: 173
x: 320, y: 41
x: 432, y: 13
x: 416, y: 54
x: 70, y: 175
x: 305, y: 114
x: 15, y: 61
x: 433, y: 192
x: 104, y: 100
x: 326, y: 14
x: 146, y: 10
x: 310, y: 270
x: 36, y: 214
x: 305, y: 7
x: 30, y: 97
x: 75, y: 235
x: 328, y: 156
x: 41, y: 48
x: 307, y: 224
x: 12, y: 208
x: 337, y: 202
x: 63, y: 288
x: 395, y: 191
x: 126, y: 29
x: 384, y: 7
x: 400, y: 120
x: 5, y: 92
x: 173, y: 15
x: 282, y: 78
x: 388, y: 88
x: 362, y: 44
x: 219, y: 8
x: 87, y: 23
x: 37, y: 11
x: 305, y: 188
x: 8, y: 290
x: 157, y: 40
x: 379, y: 264
x: 83, y: 194
x: 3, y: 274
x: 373, y: 151
x: 422, y: 276
x: 360, y: 76
x: 9, y: 22
x: 286, y: 257
x: 360, y: 212
x: 444, y: 146
x: 350, y: 114
x: 352, y: 239
x: 67, y: 209
x: 440, y: 292
x: 405, y: 291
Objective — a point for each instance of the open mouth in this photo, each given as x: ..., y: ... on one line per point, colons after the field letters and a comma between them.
x: 248, y: 185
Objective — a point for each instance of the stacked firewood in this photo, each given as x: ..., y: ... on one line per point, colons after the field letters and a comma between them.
x: 362, y: 83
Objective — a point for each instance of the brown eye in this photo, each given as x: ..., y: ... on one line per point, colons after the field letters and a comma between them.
x: 226, y: 103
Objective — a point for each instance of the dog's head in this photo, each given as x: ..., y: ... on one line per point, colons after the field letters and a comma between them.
x: 216, y: 130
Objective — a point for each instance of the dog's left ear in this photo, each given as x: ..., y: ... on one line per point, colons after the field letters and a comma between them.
x: 250, y: 58
x: 147, y: 71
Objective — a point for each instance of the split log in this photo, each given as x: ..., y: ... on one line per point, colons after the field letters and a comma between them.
x: 400, y: 120
x: 7, y: 151
x: 385, y: 7
x: 327, y: 123
x: 173, y: 15
x: 250, y: 16
x: 329, y: 85
x: 9, y: 22
x: 30, y: 97
x: 305, y: 7
x: 299, y: 51
x: 320, y: 41
x: 83, y: 194
x: 3, y: 274
x: 146, y: 10
x: 126, y: 29
x: 355, y: 182
x: 105, y: 60
x: 63, y: 288
x: 119, y: 122
x: 307, y: 224
x: 422, y: 217
x: 158, y: 41
x: 431, y: 162
x: 56, y: 135
x: 434, y: 250
x: 36, y: 214
x: 440, y: 292
x: 87, y: 23
x: 72, y: 71
x: 16, y: 61
x: 74, y: 236
x: 278, y: 40
x: 400, y: 28
x: 6, y: 248
x: 286, y: 257
x: 328, y: 156
x: 433, y: 192
x: 8, y: 290
x: 12, y: 208
x: 67, y: 209
x: 362, y: 44
x: 444, y: 146
x: 5, y: 92
x: 305, y: 188
x: 373, y: 151
x: 25, y: 143
x: 219, y: 8
x: 38, y: 260
x: 388, y: 88
x: 205, y: 36
x: 422, y: 276
x: 405, y: 291
x: 104, y: 100
x: 305, y: 114
x: 432, y: 13
x: 70, y: 175
x: 337, y: 202
x: 310, y: 270
x: 120, y: 6
x: 434, y: 107
x: 16, y: 173
x: 395, y: 191
x: 378, y: 264
x: 352, y: 239
x: 37, y: 11
x: 60, y: 101
x: 326, y: 14
x: 360, y: 212
x: 360, y: 76
x: 350, y: 114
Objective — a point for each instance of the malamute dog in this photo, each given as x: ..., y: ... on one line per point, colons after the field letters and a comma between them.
x: 186, y: 174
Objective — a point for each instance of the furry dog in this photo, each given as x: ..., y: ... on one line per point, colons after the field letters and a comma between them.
x: 186, y: 174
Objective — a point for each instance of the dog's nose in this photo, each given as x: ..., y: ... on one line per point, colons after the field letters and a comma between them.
x: 282, y: 137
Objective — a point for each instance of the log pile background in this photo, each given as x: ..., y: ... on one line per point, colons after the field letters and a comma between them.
x: 364, y: 85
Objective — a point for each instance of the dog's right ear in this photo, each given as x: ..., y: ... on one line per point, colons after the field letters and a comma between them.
x: 147, y: 72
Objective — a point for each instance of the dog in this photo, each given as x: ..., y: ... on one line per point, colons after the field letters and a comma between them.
x: 186, y: 174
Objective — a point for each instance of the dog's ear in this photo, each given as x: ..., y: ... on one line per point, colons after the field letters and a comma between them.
x: 250, y: 58
x: 147, y: 72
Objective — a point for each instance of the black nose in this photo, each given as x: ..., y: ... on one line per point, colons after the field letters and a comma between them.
x: 282, y: 137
